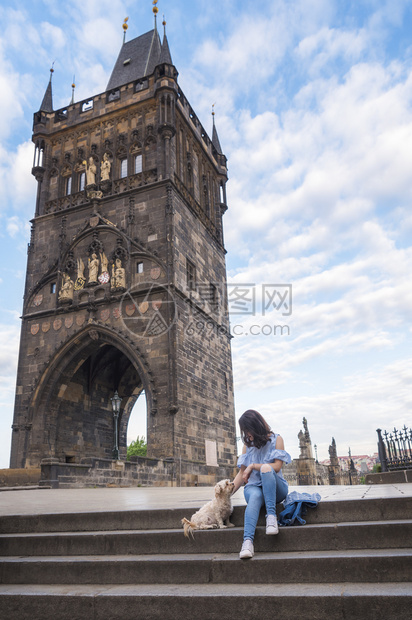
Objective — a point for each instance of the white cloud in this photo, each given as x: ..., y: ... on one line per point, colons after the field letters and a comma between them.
x: 9, y: 346
x: 13, y: 225
x: 10, y: 101
x: 53, y: 35
x: 319, y: 50
x: 18, y: 186
x: 379, y: 398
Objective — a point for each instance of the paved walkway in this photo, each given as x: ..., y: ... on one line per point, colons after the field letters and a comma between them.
x: 46, y: 501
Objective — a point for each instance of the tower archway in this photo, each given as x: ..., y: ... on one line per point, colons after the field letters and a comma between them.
x: 71, y: 411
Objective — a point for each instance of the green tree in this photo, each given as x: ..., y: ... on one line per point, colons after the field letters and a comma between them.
x: 137, y: 448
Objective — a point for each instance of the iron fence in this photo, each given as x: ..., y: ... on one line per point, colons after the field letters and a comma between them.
x: 395, y: 451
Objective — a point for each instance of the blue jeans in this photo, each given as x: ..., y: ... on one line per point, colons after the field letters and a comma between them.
x: 273, y: 490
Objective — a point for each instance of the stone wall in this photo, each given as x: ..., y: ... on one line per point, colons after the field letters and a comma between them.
x: 19, y: 477
x: 139, y: 471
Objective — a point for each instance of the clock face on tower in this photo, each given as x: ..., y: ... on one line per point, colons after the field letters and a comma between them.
x: 104, y: 277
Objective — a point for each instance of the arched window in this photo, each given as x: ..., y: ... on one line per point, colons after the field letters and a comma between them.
x: 123, y: 168
x: 68, y: 186
x: 82, y: 181
x: 137, y: 164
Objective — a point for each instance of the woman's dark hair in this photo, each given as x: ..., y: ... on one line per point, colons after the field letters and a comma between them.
x: 253, y: 422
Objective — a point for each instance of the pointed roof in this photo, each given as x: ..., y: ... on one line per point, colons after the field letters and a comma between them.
x: 47, y: 103
x: 165, y: 56
x: 215, y: 138
x: 137, y: 58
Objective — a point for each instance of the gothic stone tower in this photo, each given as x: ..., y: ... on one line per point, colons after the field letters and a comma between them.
x: 126, y: 276
x: 306, y: 467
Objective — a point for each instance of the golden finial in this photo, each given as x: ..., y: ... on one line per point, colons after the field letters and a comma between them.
x: 125, y: 27
x: 51, y: 69
x: 73, y: 87
x: 155, y: 11
x: 213, y: 113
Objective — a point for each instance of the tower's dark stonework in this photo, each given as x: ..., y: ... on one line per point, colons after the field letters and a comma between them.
x: 126, y: 277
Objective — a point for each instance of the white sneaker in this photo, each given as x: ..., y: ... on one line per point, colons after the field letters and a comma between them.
x: 271, y: 525
x: 247, y: 550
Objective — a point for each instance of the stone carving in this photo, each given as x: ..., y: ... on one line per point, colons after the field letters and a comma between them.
x: 104, y: 276
x: 80, y: 280
x: 332, y: 450
x: 305, y: 443
x: 94, y: 194
x: 66, y: 290
x: 105, y: 168
x: 90, y: 171
x: 93, y: 269
x: 334, y: 467
x: 118, y: 275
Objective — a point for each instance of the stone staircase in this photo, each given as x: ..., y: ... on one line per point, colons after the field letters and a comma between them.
x: 353, y: 560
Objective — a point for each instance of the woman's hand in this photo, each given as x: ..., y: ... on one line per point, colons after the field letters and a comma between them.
x: 247, y: 472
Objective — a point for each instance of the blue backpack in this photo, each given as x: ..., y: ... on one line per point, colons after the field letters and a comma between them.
x: 296, y: 506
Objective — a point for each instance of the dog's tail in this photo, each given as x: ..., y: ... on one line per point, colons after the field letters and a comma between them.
x: 188, y: 527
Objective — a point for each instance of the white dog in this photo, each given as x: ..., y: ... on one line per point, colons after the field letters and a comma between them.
x: 214, y: 513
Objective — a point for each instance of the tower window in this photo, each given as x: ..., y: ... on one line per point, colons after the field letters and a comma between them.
x: 137, y: 164
x: 82, y: 181
x: 113, y: 95
x: 68, y: 186
x: 139, y: 267
x: 53, y: 288
x: 87, y: 105
x: 190, y: 275
x: 123, y: 168
x: 213, y: 295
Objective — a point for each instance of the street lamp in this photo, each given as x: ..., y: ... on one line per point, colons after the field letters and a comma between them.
x: 316, y: 452
x: 116, y: 400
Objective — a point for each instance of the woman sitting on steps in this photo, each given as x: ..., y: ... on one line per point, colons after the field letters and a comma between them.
x: 261, y: 471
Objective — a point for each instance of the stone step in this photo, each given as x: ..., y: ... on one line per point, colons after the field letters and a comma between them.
x: 361, y: 535
x: 326, y: 512
x: 339, y: 601
x: 383, y: 566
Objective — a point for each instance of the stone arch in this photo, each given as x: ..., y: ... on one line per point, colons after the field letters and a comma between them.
x: 70, y: 410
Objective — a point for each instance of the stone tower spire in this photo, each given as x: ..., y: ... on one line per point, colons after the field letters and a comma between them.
x: 165, y: 56
x: 47, y: 103
x: 215, y: 137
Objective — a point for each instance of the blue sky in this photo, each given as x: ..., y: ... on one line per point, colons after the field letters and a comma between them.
x: 313, y: 103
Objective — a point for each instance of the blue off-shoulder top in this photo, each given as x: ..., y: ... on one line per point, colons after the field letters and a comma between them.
x: 267, y: 454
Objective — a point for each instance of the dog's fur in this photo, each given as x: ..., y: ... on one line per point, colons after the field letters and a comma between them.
x: 214, y: 514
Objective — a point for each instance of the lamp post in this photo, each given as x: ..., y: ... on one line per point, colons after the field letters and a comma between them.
x: 316, y: 452
x: 116, y: 400
x: 349, y: 467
